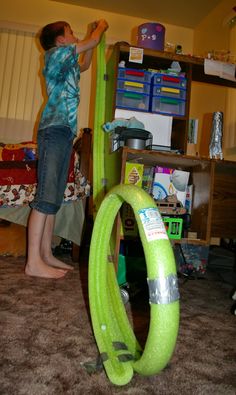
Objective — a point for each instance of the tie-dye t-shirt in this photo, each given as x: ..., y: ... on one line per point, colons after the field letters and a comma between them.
x: 62, y: 75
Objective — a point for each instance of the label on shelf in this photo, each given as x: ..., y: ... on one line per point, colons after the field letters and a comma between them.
x: 133, y: 83
x: 170, y: 90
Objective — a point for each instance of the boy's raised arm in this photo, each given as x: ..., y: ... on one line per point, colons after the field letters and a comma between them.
x: 90, y: 42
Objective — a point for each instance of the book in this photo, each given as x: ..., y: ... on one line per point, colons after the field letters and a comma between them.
x: 192, y: 131
x: 134, y: 173
x: 189, y: 199
x: 148, y: 175
x: 168, y: 182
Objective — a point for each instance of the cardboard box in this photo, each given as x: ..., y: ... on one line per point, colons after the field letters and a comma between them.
x: 191, y: 258
x: 129, y: 225
x: 169, y: 181
x: 134, y: 173
x: 147, y: 182
x: 189, y: 199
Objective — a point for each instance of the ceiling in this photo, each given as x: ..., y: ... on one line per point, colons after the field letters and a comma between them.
x: 175, y: 12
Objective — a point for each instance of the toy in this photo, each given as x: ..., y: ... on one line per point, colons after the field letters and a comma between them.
x: 132, y: 123
x: 170, y: 205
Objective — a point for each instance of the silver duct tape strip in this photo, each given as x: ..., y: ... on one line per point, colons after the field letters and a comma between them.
x: 163, y: 290
x: 119, y: 345
x: 125, y: 358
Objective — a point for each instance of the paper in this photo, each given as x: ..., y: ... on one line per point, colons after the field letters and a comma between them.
x: 136, y: 55
x: 159, y: 125
x: 220, y: 69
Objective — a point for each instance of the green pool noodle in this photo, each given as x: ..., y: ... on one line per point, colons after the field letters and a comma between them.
x: 116, y: 341
x: 98, y: 133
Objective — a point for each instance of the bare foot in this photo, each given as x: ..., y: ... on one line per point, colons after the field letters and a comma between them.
x: 41, y: 269
x: 54, y: 262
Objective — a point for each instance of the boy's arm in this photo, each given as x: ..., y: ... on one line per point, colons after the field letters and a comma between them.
x: 87, y: 45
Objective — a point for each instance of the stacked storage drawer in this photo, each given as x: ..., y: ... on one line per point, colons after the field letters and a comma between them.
x: 169, y: 94
x: 133, y: 89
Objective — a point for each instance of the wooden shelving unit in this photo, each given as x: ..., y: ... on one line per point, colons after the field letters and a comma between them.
x: 214, y: 181
x: 214, y: 197
x: 193, y: 68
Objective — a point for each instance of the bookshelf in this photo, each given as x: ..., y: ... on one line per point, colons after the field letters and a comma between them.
x: 214, y: 181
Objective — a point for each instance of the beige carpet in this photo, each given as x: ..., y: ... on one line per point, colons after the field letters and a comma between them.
x: 46, y: 340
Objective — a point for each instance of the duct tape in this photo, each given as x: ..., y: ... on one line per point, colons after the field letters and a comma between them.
x: 125, y: 357
x: 163, y: 290
x: 119, y: 346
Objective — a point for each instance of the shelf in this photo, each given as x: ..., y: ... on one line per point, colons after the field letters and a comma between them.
x: 173, y: 241
x: 193, y: 64
x: 214, y: 199
x: 198, y: 75
x: 163, y: 54
x: 149, y: 157
x: 214, y: 182
x: 189, y: 241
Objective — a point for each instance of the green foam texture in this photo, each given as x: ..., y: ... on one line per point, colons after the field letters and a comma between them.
x: 109, y: 319
x: 98, y: 133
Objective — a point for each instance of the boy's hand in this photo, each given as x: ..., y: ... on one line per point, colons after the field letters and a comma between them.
x: 91, y: 40
x: 91, y: 27
x: 102, y: 24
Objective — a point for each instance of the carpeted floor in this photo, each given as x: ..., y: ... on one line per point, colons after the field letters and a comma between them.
x: 46, y: 340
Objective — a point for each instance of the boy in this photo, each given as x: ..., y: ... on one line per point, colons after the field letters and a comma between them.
x: 56, y: 132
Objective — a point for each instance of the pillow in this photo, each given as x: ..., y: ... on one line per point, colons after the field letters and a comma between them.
x: 24, y: 151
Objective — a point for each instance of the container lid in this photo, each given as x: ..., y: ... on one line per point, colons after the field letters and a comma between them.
x: 132, y: 133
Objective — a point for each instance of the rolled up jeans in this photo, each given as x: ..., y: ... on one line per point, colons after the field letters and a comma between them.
x: 55, y: 144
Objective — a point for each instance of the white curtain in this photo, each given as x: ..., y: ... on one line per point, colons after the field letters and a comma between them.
x: 21, y: 86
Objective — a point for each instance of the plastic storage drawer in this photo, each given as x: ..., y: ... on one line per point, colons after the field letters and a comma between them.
x: 166, y: 105
x: 134, y: 75
x: 133, y: 86
x: 166, y: 91
x: 132, y: 100
x: 169, y: 80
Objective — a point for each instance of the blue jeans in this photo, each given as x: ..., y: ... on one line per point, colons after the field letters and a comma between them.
x: 55, y: 144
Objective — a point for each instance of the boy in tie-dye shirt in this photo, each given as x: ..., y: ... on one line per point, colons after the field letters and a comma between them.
x: 65, y: 58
